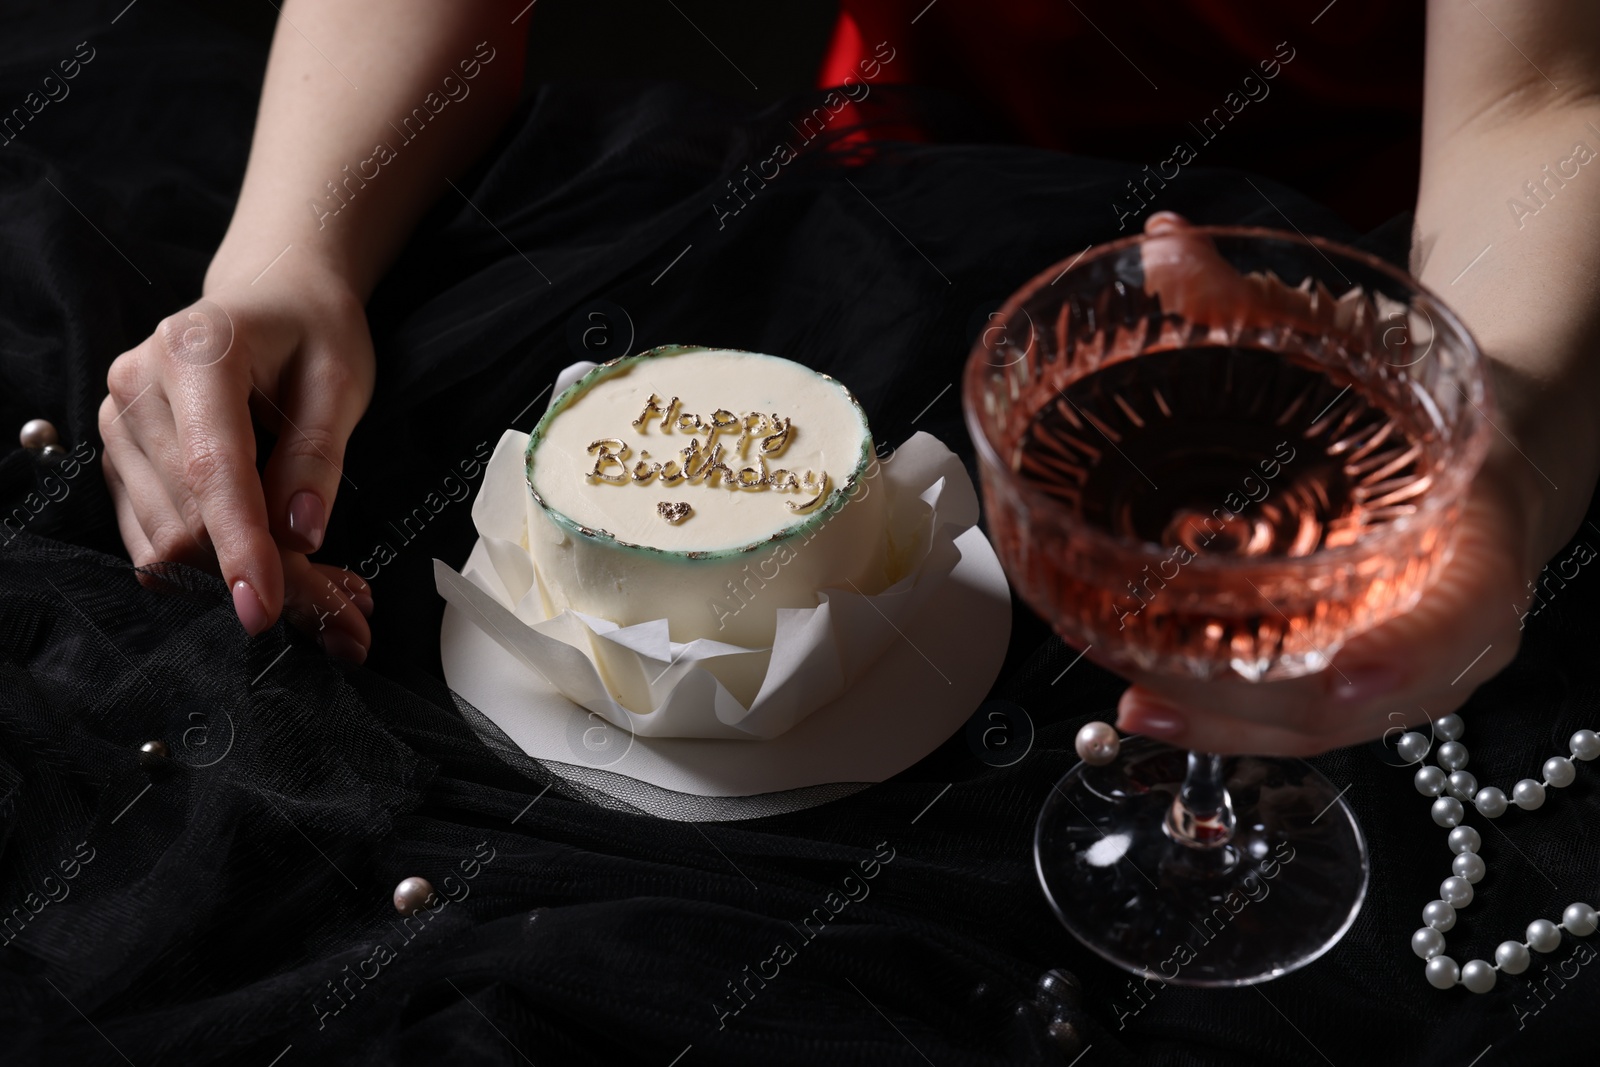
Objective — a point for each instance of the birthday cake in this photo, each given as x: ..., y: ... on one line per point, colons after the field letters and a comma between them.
x: 711, y: 488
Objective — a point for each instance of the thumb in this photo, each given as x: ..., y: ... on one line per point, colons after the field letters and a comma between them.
x: 1184, y: 268
x: 321, y: 399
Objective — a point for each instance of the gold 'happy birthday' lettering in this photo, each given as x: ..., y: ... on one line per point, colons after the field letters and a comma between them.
x: 708, y: 463
x: 770, y: 430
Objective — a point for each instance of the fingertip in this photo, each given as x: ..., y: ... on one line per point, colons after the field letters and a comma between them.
x: 356, y: 589
x: 306, y: 518
x: 341, y: 645
x: 1165, y: 222
x: 1141, y: 712
x: 250, y: 608
x: 1364, y: 680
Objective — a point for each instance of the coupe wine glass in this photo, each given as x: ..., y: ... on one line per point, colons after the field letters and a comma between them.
x: 1213, y: 452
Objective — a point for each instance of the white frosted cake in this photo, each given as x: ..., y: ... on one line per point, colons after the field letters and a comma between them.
x: 707, y: 487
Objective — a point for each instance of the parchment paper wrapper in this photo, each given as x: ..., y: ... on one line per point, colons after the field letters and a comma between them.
x: 816, y: 654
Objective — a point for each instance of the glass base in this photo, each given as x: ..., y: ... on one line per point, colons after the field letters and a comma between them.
x: 1279, y: 894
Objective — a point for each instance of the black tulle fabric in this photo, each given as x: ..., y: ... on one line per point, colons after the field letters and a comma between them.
x: 237, y: 909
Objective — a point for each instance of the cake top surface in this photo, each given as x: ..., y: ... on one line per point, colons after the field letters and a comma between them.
x: 697, y: 450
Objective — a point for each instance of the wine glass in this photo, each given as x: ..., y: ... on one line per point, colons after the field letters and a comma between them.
x: 1211, y: 452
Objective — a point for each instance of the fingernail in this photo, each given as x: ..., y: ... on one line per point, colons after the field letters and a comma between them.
x: 341, y: 645
x: 1163, y: 221
x: 306, y: 518
x: 248, y: 606
x: 1364, y: 681
x: 1140, y: 714
x: 363, y: 603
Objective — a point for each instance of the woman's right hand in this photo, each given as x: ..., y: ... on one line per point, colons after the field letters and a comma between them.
x: 291, y: 351
x: 280, y: 339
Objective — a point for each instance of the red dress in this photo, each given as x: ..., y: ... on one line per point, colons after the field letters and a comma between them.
x: 1326, y: 97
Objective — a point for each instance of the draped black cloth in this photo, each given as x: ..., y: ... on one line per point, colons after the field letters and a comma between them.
x: 236, y: 909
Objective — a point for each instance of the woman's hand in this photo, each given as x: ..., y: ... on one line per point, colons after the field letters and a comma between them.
x: 1407, y: 672
x: 1410, y: 670
x: 280, y: 337
x: 290, y: 351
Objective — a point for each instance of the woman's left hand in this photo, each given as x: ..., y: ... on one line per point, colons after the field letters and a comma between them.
x: 1407, y: 672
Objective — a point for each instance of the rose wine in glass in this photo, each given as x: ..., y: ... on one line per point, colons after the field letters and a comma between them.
x: 1220, y: 452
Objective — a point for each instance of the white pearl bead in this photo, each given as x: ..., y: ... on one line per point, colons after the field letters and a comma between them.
x: 1463, y: 786
x: 1528, y: 794
x: 1580, y: 919
x: 1097, y: 743
x: 1442, y: 972
x: 1427, y: 943
x: 1439, y: 915
x: 1447, y: 811
x: 1449, y: 728
x: 1585, y: 744
x: 1430, y: 781
x: 1542, y: 936
x: 1512, y: 956
x: 411, y: 895
x: 1469, y: 865
x: 37, y: 433
x: 1490, y: 801
x: 1559, y: 772
x: 1465, y: 839
x: 1477, y: 976
x: 1412, y: 746
x: 1452, y: 755
x: 1456, y: 891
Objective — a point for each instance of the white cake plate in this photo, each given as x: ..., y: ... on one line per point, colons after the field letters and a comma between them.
x: 922, y: 690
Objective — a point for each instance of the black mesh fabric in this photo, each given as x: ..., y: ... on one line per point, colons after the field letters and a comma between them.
x: 236, y: 909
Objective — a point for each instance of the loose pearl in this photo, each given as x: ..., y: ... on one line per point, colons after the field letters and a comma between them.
x: 1456, y: 891
x: 1465, y: 839
x: 36, y: 433
x: 1452, y: 755
x: 1469, y: 865
x: 153, y: 755
x: 1447, y: 811
x: 1477, y: 976
x: 1512, y: 956
x: 1429, y: 781
x: 1580, y: 919
x: 411, y: 894
x: 1449, y: 728
x: 1427, y: 943
x: 1490, y: 801
x: 1559, y: 772
x: 1097, y: 744
x: 1463, y: 786
x: 1543, y: 936
x: 1528, y: 794
x: 1439, y: 915
x: 1412, y: 746
x: 1442, y: 972
x: 1585, y: 744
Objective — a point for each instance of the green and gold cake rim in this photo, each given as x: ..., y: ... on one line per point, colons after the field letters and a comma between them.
x: 836, y: 499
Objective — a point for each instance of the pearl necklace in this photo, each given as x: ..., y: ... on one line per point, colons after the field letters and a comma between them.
x: 1467, y: 868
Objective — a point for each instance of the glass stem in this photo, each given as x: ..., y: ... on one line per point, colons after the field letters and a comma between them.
x: 1202, y: 813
